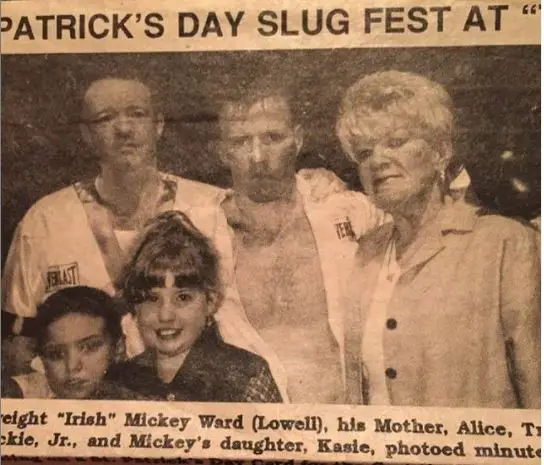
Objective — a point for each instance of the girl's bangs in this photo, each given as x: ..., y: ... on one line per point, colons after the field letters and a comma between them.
x: 186, y: 269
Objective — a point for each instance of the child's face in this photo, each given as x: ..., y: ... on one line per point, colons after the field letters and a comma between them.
x: 76, y: 355
x: 172, y: 318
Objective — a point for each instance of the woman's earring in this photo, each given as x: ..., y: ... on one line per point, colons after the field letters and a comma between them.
x: 442, y: 176
x: 209, y: 321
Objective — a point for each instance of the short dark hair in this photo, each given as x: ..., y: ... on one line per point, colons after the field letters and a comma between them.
x: 83, y: 300
x: 275, y: 85
x: 156, y: 99
x: 172, y: 243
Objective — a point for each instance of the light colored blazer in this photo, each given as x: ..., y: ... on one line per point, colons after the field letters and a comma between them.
x: 467, y: 313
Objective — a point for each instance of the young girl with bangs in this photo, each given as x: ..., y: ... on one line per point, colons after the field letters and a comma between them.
x: 172, y: 285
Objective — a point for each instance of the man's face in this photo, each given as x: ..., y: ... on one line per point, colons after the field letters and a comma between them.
x: 76, y: 355
x: 260, y: 146
x: 120, y: 124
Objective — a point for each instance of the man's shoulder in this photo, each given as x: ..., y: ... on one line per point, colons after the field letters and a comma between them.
x: 59, y: 204
x: 347, y: 208
x: 64, y: 195
x: 337, y: 199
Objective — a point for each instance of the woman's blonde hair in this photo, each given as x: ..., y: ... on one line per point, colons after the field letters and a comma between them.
x: 390, y: 99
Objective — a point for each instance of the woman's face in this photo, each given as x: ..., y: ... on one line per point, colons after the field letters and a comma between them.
x: 76, y: 355
x: 397, y: 168
x: 172, y: 318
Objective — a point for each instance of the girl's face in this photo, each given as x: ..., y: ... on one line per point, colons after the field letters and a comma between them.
x: 172, y: 318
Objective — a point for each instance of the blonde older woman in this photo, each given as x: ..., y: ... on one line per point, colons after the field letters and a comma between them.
x: 444, y: 301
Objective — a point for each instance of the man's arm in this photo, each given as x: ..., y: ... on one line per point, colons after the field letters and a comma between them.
x: 324, y: 186
x: 22, y: 281
x: 22, y: 285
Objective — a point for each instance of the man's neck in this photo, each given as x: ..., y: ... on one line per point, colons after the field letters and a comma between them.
x: 118, y: 180
x: 275, y: 208
x: 128, y: 192
x: 261, y: 222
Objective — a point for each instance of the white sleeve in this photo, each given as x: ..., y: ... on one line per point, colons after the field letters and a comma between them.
x: 365, y: 216
x: 22, y: 282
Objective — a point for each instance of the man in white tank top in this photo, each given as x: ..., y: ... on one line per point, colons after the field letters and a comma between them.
x: 288, y: 253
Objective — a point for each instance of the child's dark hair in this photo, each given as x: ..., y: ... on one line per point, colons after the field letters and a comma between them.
x: 172, y: 243
x: 83, y: 300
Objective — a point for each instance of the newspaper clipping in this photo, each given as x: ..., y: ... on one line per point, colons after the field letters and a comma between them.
x: 276, y: 233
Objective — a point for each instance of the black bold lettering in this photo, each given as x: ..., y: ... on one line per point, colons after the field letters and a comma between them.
x: 439, y: 16
x: 92, y: 27
x: 370, y: 18
x: 120, y: 25
x: 5, y: 23
x: 417, y: 15
x: 66, y: 23
x: 182, y: 17
x: 24, y: 29
x: 45, y: 24
x: 234, y: 21
x: 390, y: 19
x: 263, y: 19
x: 154, y: 28
x: 134, y: 419
x: 285, y: 23
x: 474, y: 19
x: 498, y: 9
x: 306, y: 23
x: 342, y: 26
x: 212, y: 26
x: 140, y: 440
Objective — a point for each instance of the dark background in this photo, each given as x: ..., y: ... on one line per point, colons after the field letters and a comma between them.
x: 496, y: 91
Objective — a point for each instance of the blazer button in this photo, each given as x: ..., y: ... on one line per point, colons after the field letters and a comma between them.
x: 170, y: 397
x: 391, y: 323
x: 391, y: 373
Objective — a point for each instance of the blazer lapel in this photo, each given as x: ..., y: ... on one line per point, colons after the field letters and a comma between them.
x: 457, y: 218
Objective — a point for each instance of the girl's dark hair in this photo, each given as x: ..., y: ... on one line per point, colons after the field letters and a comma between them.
x: 83, y: 300
x: 172, y: 243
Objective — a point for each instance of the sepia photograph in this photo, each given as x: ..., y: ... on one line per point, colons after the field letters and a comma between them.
x: 341, y: 226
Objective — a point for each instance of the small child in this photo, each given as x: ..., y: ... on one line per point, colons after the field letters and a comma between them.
x: 173, y: 285
x: 78, y: 336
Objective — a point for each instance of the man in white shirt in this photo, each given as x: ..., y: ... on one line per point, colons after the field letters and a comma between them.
x: 80, y: 235
x: 288, y: 251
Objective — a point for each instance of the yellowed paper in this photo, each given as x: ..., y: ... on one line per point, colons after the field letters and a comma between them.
x: 485, y: 54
